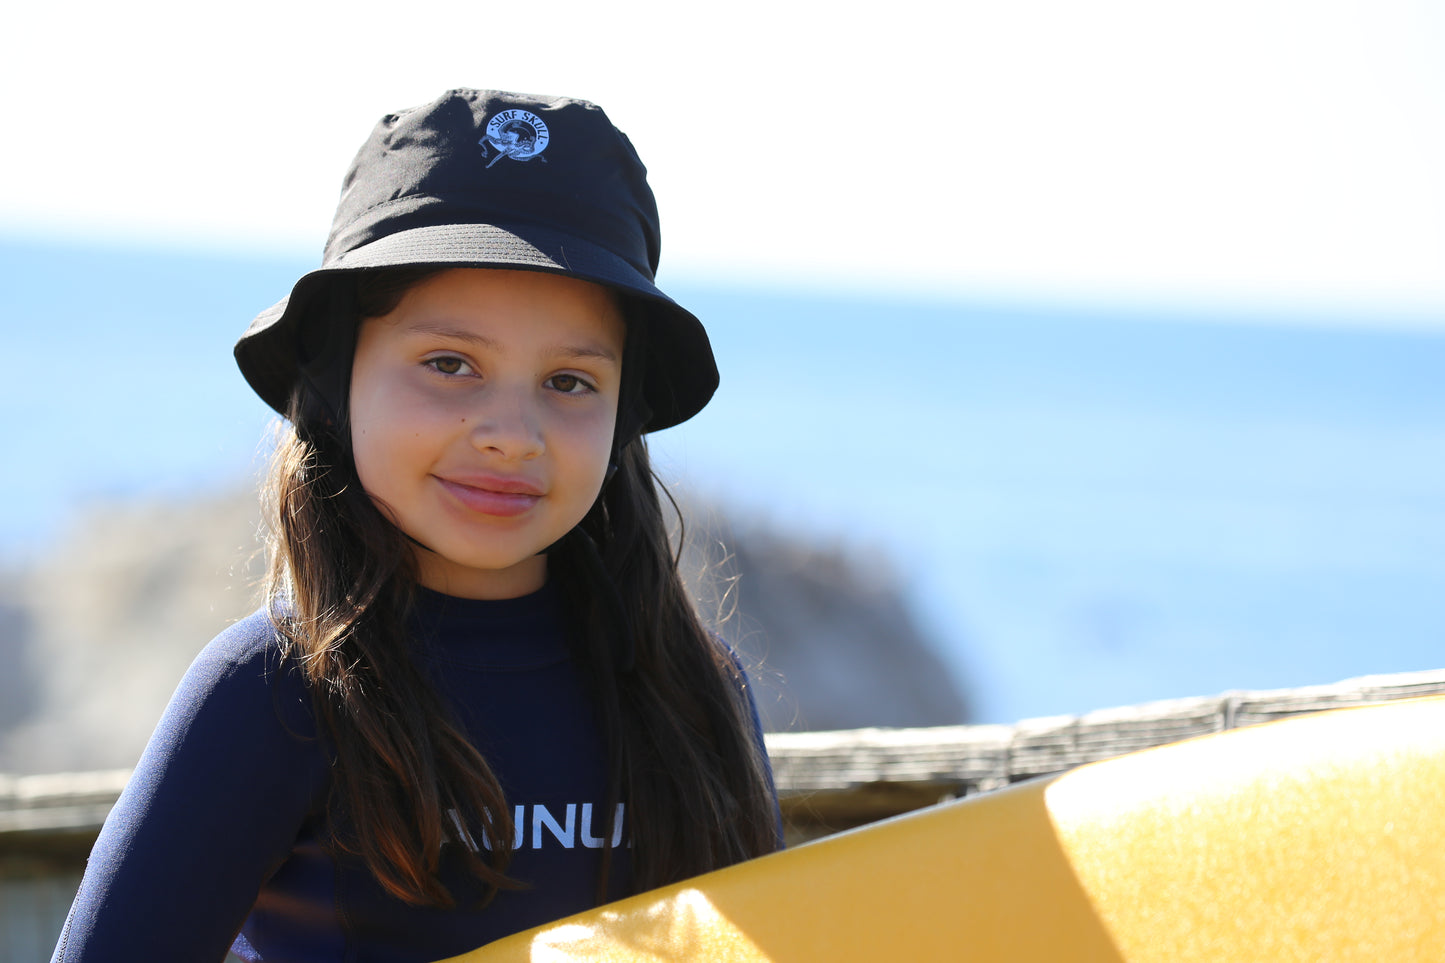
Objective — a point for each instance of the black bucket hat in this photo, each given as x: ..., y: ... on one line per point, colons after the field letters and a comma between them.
x: 485, y: 178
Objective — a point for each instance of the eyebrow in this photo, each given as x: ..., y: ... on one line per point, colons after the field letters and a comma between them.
x: 580, y: 350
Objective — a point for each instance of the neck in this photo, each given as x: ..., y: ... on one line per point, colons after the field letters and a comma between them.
x: 440, y: 575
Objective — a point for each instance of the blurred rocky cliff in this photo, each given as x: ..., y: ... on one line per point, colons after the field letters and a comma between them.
x: 95, y: 633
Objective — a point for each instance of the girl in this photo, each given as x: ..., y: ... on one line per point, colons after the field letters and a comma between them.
x: 478, y: 698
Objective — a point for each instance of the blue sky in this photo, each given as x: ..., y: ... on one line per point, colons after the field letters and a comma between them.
x: 1244, y: 154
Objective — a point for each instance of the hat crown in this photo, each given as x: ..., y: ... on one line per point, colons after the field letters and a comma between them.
x: 515, y: 161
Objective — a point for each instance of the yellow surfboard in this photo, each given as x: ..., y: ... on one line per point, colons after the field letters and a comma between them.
x: 1314, y: 839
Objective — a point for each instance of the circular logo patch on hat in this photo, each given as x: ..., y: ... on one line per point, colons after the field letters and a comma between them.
x: 518, y: 134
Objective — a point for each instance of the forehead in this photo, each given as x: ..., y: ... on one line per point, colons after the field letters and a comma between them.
x: 513, y: 305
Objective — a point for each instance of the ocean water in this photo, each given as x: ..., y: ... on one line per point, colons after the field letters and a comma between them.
x: 1087, y: 507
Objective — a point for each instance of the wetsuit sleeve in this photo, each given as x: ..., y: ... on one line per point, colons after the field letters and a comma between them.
x: 746, y: 688
x: 210, y: 812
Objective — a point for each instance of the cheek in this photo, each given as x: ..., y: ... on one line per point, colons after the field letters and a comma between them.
x: 383, y: 441
x: 591, y: 448
x: 371, y: 455
x: 365, y: 455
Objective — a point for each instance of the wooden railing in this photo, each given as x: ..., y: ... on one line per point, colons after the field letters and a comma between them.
x: 828, y: 781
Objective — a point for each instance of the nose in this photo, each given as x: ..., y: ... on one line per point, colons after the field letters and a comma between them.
x: 506, y: 423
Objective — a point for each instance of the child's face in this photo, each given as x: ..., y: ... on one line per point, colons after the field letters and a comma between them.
x: 482, y: 411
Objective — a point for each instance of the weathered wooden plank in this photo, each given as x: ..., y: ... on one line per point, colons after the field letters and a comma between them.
x: 840, y: 773
x: 1252, y: 708
x: 62, y: 803
x: 813, y: 761
x: 846, y: 777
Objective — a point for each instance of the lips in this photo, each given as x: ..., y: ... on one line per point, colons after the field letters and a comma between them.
x: 492, y: 495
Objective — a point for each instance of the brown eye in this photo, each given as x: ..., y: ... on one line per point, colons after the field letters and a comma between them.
x: 570, y: 384
x: 449, y: 366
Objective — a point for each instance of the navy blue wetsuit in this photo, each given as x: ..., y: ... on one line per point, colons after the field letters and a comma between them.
x: 218, y: 835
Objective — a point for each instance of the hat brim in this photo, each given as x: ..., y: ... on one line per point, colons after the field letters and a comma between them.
x: 681, y: 374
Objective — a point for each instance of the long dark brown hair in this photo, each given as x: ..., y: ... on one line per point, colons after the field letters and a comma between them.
x: 670, y: 696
